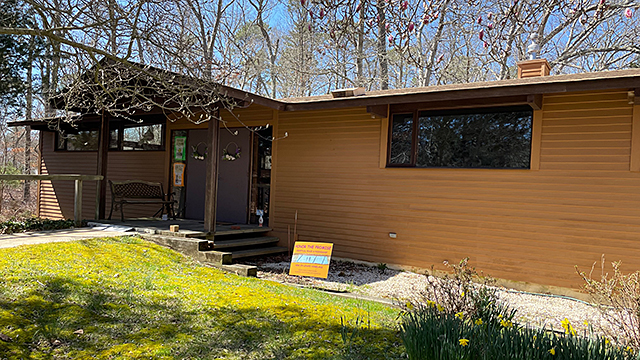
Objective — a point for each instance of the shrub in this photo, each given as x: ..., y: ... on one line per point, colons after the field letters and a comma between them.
x: 431, y: 334
x: 457, y: 294
x: 619, y: 298
x: 34, y: 224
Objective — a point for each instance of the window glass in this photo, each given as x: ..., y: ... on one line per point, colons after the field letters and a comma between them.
x: 60, y: 143
x: 113, y: 138
x: 401, y: 139
x: 82, y: 141
x: 487, y: 139
x: 145, y: 137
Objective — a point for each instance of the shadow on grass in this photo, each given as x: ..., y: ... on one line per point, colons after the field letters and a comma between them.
x: 62, y: 318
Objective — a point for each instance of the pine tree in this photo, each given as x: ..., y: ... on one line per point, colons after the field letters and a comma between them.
x: 13, y: 53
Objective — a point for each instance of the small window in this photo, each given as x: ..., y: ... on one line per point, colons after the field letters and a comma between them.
x: 144, y: 137
x: 86, y: 140
x: 480, y: 138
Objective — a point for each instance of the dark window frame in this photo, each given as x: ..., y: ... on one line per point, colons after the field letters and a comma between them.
x: 65, y: 141
x: 120, y: 126
x: 463, y: 111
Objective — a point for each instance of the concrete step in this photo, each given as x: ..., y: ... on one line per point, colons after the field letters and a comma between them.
x: 217, y: 257
x: 239, y: 254
x: 225, y: 231
x: 252, y: 241
x: 238, y: 269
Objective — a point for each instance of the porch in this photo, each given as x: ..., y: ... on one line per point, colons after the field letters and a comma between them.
x: 222, y: 249
x: 188, y: 228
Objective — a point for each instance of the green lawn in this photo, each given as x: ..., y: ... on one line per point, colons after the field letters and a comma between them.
x: 133, y: 299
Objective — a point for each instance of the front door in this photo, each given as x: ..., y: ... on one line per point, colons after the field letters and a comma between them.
x: 195, y: 175
x: 233, y: 175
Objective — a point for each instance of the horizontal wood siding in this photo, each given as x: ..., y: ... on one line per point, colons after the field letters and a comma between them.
x: 56, y: 197
x: 522, y: 225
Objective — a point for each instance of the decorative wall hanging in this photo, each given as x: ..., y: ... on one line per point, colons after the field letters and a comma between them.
x: 231, y: 152
x: 179, y: 145
x: 196, y: 154
x: 178, y: 174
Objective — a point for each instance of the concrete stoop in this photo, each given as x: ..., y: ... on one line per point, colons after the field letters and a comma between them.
x: 221, y: 253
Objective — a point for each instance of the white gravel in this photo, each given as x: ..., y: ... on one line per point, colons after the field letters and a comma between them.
x: 534, y: 309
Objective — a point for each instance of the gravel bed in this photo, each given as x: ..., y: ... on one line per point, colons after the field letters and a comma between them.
x: 533, y: 309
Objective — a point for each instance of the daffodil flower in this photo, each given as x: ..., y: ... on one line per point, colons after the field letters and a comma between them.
x: 460, y: 315
x: 409, y: 305
x: 552, y: 351
x: 479, y: 322
x: 440, y: 308
x: 463, y: 342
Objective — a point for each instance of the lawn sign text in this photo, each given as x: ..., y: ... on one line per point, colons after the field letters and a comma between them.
x: 311, y: 259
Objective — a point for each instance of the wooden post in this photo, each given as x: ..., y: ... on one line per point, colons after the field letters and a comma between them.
x: 77, y: 203
x: 211, y: 190
x: 103, y: 159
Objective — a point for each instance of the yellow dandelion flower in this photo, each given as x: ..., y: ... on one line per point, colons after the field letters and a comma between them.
x: 552, y: 351
x: 463, y: 342
x: 460, y: 315
x: 479, y: 322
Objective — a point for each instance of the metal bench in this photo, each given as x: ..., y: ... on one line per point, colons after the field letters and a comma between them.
x: 136, y: 192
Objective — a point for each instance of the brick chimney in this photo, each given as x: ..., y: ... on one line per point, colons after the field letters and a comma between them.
x: 533, y: 67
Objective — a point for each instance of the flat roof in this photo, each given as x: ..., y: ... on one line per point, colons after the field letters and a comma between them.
x: 591, y: 81
x: 602, y: 80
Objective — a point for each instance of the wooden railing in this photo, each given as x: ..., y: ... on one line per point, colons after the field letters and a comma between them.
x: 77, y: 201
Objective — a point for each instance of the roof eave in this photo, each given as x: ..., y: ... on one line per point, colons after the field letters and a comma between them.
x: 533, y: 88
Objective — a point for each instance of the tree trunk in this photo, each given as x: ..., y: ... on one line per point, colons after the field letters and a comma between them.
x: 360, y: 47
x: 27, y: 130
x: 382, y: 47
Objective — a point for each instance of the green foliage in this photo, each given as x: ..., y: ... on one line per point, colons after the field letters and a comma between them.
x: 456, y: 293
x: 429, y: 334
x: 382, y: 267
x: 9, y: 169
x: 14, y: 49
x: 136, y: 300
x: 34, y: 224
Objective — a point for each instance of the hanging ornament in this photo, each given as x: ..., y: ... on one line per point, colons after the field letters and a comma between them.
x: 196, y: 154
x: 231, y: 153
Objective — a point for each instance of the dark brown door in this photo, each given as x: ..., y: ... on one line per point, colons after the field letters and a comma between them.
x: 195, y: 173
x: 234, y: 176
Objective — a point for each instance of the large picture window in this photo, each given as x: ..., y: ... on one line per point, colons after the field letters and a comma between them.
x: 476, y: 138
x: 122, y: 136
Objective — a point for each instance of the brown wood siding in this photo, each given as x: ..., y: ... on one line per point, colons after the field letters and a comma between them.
x: 522, y: 225
x: 56, y: 197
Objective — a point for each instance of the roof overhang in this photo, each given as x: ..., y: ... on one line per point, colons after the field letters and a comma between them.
x: 481, y: 92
